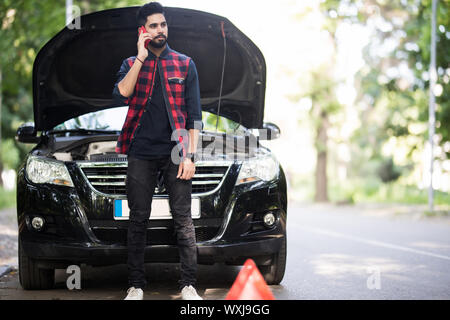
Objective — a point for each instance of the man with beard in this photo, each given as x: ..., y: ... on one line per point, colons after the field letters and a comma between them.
x: 161, y: 89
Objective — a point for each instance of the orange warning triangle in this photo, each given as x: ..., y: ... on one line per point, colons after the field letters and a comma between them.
x: 250, y: 285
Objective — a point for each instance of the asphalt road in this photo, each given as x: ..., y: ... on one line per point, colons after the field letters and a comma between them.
x: 334, y: 252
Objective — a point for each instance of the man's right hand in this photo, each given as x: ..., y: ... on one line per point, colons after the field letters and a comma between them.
x: 127, y: 84
x: 142, y: 50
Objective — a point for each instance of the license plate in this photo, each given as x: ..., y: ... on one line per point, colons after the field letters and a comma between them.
x: 160, y: 209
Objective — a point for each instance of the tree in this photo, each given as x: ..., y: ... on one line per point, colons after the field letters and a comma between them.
x: 25, y: 26
x: 393, y: 85
x: 319, y: 86
x: 324, y: 104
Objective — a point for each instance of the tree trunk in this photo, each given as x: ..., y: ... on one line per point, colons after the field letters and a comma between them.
x: 1, y: 163
x: 321, y: 164
x: 1, y: 170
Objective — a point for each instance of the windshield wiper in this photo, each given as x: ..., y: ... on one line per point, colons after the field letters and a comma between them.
x: 83, y: 131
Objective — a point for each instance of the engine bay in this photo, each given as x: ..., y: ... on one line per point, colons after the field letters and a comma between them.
x: 102, y: 147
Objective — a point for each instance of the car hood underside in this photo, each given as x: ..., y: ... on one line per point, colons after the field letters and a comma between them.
x: 75, y: 72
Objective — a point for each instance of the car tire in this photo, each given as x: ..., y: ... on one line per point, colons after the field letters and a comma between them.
x: 274, y: 273
x: 32, y: 277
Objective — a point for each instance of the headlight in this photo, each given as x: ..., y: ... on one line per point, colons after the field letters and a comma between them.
x: 260, y: 168
x: 40, y: 170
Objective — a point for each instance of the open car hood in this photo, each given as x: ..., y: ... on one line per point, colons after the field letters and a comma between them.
x: 75, y: 72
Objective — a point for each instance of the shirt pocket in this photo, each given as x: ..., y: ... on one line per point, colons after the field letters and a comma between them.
x: 176, y: 80
x: 176, y: 85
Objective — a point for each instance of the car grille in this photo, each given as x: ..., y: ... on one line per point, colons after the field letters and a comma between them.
x: 110, y: 178
x: 154, y: 236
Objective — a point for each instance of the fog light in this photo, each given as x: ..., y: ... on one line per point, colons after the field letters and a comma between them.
x: 37, y: 223
x: 269, y: 219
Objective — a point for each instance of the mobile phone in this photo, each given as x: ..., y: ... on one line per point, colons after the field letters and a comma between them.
x: 142, y: 30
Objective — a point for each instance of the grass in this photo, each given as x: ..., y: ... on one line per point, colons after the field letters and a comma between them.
x: 369, y: 190
x: 396, y: 193
x: 7, y: 198
x: 437, y: 213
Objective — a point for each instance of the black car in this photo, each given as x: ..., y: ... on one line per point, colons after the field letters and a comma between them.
x: 71, y: 196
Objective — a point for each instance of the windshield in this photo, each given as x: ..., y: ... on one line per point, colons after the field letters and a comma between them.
x: 224, y: 125
x: 114, y: 118
x: 108, y: 119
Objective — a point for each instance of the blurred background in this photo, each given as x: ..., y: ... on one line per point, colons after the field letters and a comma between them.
x: 347, y: 83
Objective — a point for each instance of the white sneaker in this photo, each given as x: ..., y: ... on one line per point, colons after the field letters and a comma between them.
x: 134, y: 294
x: 189, y: 293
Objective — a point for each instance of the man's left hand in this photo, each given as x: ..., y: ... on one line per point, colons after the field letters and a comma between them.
x: 186, y: 169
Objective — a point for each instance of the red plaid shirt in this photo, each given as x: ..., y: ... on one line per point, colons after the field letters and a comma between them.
x: 173, y: 67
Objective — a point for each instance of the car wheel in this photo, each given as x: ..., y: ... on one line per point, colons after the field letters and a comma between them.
x: 274, y: 273
x: 30, y: 276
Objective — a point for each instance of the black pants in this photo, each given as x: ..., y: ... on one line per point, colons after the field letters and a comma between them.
x: 140, y: 185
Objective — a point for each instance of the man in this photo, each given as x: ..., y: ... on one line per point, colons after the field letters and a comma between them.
x: 161, y: 88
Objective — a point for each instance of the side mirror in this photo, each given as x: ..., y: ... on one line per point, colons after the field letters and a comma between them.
x: 269, y: 131
x: 26, y: 134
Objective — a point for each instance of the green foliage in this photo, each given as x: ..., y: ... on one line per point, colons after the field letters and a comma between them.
x: 394, y: 104
x: 392, y: 101
x: 372, y: 190
x: 9, y: 155
x: 413, y: 48
x: 224, y: 125
x: 25, y: 27
x: 387, y: 171
x: 7, y: 198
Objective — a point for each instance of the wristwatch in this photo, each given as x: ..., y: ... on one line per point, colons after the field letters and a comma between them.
x: 190, y: 156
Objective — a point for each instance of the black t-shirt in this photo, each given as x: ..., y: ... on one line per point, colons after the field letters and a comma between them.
x: 153, y: 135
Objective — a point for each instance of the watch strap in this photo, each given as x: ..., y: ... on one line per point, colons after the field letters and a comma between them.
x: 190, y: 156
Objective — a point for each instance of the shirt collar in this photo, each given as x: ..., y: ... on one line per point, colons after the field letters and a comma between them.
x: 163, y: 54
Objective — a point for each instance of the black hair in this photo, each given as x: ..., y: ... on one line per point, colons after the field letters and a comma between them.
x: 147, y: 10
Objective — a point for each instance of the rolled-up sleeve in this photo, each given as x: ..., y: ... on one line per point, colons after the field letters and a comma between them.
x: 119, y: 99
x: 192, y: 99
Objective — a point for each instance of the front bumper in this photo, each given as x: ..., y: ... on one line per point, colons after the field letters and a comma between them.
x: 229, y: 231
x: 56, y: 255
